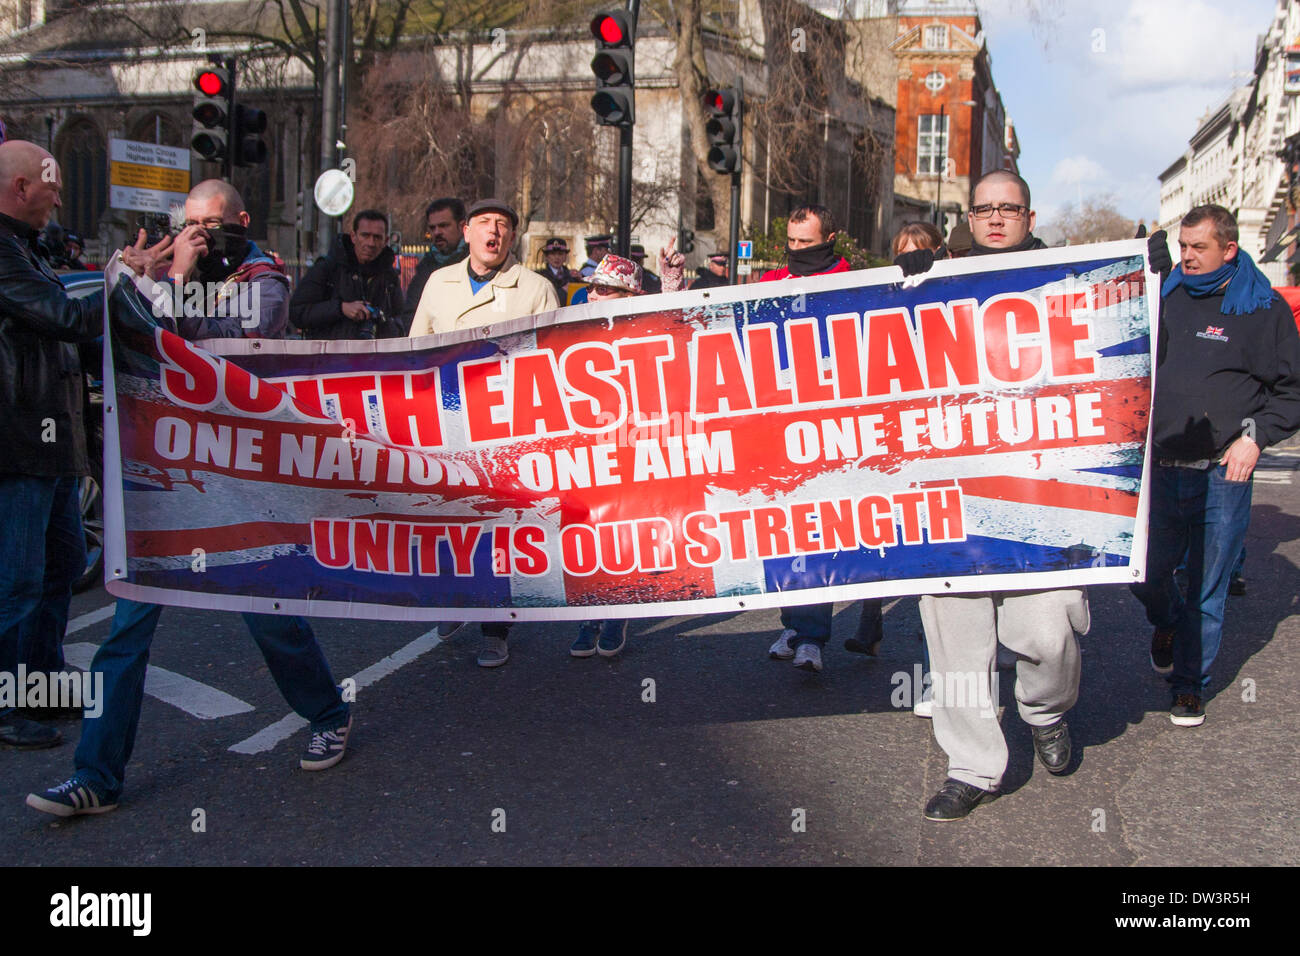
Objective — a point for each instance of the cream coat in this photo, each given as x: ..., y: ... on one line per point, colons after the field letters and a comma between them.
x: 448, y: 304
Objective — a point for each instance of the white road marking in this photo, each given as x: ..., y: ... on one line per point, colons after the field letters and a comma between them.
x: 93, y: 617
x: 191, y: 696
x: 268, y: 737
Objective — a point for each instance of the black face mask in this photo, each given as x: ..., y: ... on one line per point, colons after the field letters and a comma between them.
x: 227, y: 249
x: 1029, y: 242
x: 812, y: 260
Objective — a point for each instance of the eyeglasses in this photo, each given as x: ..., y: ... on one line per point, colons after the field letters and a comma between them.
x: 1007, y: 210
x: 211, y: 224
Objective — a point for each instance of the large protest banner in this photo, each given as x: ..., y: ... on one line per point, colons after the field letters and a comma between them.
x: 983, y: 428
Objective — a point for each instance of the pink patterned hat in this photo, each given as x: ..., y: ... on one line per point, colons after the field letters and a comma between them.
x: 618, y: 273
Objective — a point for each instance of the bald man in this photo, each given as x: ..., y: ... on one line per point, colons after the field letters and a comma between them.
x: 43, y: 443
x: 212, y: 248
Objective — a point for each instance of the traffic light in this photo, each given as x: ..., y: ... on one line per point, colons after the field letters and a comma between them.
x: 686, y: 242
x: 615, y: 99
x: 211, y: 113
x: 723, y: 129
x: 249, y: 147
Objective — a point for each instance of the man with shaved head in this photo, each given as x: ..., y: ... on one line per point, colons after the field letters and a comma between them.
x: 43, y: 444
x: 213, y: 248
x: 962, y: 631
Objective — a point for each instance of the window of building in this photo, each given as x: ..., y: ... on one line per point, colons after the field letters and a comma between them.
x: 83, y: 159
x: 931, y: 144
x: 936, y: 37
x: 935, y: 82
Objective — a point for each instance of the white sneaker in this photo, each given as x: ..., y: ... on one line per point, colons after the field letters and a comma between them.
x: 782, y: 650
x: 495, y: 654
x: 923, y: 708
x: 808, y: 657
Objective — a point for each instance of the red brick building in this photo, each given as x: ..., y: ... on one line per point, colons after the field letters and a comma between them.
x: 951, y: 127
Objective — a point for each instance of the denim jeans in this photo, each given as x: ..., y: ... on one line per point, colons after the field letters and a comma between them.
x: 811, y: 623
x: 42, y: 553
x: 1205, y: 516
x: 292, y: 655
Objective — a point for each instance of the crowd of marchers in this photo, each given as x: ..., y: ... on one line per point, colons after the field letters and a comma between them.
x: 1221, y: 397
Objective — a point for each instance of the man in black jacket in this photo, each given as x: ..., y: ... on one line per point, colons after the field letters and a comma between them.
x: 354, y: 292
x: 1227, y: 385
x: 43, y: 451
x: 444, y: 227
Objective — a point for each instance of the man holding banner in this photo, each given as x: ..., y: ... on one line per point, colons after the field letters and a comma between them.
x: 490, y: 286
x: 211, y: 246
x: 1228, y: 386
x: 962, y: 631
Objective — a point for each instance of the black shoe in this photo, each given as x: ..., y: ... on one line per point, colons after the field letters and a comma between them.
x: 1187, y: 711
x: 956, y: 800
x: 1237, y: 585
x: 27, y: 734
x: 1052, y: 743
x: 858, y: 646
x: 1162, y: 650
x: 871, y: 630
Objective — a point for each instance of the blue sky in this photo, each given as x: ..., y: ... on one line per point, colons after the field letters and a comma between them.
x: 1105, y: 94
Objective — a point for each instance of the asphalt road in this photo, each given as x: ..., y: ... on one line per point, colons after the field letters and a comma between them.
x: 556, y: 760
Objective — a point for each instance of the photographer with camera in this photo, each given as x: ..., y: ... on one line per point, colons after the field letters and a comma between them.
x: 354, y: 292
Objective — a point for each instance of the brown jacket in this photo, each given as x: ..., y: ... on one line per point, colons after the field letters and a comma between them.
x: 449, y: 304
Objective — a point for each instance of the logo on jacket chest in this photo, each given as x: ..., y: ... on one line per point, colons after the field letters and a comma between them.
x: 1214, y: 332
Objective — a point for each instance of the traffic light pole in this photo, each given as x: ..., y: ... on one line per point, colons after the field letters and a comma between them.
x: 330, y: 112
x: 228, y: 161
x: 734, y: 229
x: 624, y: 238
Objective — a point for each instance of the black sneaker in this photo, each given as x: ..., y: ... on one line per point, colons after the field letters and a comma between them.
x: 956, y: 800
x: 326, y: 747
x: 1052, y: 744
x: 1162, y: 650
x: 1237, y: 585
x: 27, y: 734
x: 1187, y: 711
x: 71, y: 798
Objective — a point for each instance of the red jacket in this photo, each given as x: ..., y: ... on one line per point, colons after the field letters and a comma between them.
x: 784, y: 272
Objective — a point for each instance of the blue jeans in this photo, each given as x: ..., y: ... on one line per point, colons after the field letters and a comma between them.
x: 1203, y: 515
x: 811, y: 623
x: 42, y: 553
x: 292, y: 655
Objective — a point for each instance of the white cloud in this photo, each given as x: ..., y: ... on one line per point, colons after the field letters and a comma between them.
x: 1077, y: 170
x: 1161, y: 44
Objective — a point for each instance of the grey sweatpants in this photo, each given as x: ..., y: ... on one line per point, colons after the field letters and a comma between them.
x: 962, y: 632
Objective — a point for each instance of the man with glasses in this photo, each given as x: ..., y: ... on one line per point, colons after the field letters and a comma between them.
x: 354, y: 292
x: 444, y: 227
x: 213, y: 247
x: 962, y: 631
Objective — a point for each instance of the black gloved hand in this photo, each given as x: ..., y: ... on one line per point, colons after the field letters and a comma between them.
x: 1142, y: 231
x: 915, y: 262
x: 1158, y: 252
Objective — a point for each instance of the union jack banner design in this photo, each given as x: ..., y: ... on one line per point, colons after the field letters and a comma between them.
x: 981, y: 427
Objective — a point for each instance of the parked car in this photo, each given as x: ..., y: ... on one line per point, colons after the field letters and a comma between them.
x: 80, y: 284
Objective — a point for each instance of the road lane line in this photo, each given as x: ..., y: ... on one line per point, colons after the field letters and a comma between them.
x: 268, y: 737
x: 93, y: 617
x: 191, y: 696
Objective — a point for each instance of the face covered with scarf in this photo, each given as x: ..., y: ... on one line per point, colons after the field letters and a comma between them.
x: 809, y: 251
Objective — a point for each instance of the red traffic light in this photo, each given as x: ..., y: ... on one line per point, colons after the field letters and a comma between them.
x: 612, y: 29
x: 210, y: 82
x: 720, y: 102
